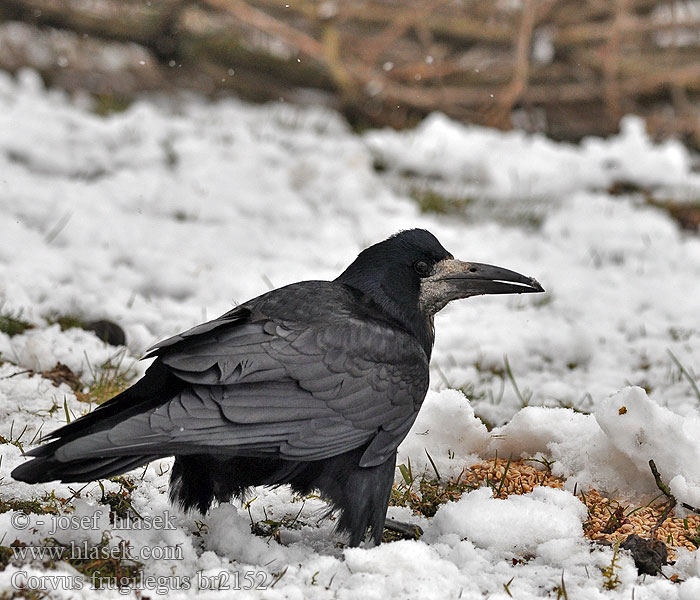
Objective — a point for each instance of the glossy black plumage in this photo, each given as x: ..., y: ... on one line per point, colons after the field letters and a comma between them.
x: 314, y: 384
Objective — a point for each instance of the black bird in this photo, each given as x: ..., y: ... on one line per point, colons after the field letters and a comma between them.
x: 314, y: 384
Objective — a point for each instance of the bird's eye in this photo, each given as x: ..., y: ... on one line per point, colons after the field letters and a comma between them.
x: 421, y: 267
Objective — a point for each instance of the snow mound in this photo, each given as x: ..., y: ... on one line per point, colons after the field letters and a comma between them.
x: 517, y: 525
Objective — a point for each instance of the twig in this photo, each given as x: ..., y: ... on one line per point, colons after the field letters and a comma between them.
x: 611, y: 65
x: 660, y: 484
x: 690, y: 508
x: 272, y: 26
x: 500, y: 115
x: 17, y: 373
x: 374, y: 47
x: 666, y: 492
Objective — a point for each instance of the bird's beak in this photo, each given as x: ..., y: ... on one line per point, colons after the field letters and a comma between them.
x: 453, y: 279
x: 477, y: 278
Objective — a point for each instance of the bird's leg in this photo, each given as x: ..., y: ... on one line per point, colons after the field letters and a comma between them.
x: 407, y: 530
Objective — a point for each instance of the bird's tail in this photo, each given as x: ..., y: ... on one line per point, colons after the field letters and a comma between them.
x: 49, y: 468
x: 49, y: 462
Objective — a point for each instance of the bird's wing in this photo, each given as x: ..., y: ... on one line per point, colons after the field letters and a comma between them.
x: 287, y: 388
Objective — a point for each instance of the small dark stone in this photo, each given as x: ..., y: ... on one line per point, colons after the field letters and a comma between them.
x: 649, y: 555
x: 108, y: 331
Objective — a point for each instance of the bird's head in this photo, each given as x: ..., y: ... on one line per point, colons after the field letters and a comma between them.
x: 412, y: 276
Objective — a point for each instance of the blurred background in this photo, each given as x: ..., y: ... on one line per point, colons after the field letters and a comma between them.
x: 567, y: 68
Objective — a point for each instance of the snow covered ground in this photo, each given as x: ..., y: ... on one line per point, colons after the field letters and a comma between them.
x: 167, y: 214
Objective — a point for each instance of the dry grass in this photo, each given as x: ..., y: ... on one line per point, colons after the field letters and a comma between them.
x: 109, y: 379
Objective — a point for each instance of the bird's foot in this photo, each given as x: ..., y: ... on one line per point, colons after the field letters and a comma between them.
x: 401, y: 530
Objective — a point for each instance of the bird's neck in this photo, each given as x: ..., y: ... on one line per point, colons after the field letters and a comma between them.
x: 412, y: 318
x: 398, y: 311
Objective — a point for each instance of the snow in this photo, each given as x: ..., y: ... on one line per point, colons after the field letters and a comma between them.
x: 172, y: 211
x: 515, y: 526
x: 531, y: 165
